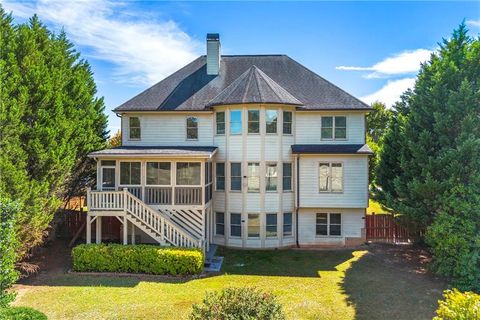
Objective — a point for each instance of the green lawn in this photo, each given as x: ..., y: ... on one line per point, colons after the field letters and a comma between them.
x: 343, y: 284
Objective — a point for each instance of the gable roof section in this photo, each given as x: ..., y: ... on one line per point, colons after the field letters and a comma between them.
x: 191, y: 89
x: 253, y: 86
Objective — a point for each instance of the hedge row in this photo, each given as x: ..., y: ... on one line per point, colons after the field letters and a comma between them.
x: 137, y: 259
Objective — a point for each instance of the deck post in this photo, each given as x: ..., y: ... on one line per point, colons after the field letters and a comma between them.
x: 125, y: 230
x: 133, y: 234
x: 89, y: 229
x: 98, y: 231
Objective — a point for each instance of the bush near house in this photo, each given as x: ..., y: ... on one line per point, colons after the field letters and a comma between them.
x: 238, y: 303
x: 21, y: 313
x: 137, y: 259
x: 458, y: 305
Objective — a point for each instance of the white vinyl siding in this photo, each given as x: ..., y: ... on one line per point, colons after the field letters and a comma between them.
x: 308, y: 128
x: 355, y: 182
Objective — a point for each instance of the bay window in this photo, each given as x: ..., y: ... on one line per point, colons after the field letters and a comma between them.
x: 253, y: 225
x: 253, y: 177
x: 271, y: 225
x: 287, y: 177
x: 235, y: 121
x: 271, y: 177
x: 287, y: 122
x: 220, y: 176
x: 235, y: 176
x: 253, y: 121
x: 287, y: 224
x: 271, y: 121
x: 235, y: 225
x: 219, y: 223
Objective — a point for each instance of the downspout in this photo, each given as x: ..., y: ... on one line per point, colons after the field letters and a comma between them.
x: 298, y: 201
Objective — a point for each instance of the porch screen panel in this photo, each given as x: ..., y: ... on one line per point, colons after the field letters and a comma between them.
x: 130, y: 173
x: 188, y: 173
x: 158, y: 173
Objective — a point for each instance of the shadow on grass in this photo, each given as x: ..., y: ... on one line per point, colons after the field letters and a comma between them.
x: 387, y: 283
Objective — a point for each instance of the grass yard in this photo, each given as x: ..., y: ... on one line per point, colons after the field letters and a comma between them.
x: 379, y: 283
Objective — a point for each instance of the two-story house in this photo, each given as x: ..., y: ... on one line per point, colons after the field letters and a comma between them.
x: 248, y: 151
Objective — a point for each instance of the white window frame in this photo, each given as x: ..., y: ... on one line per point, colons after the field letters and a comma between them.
x: 257, y: 164
x: 194, y: 127
x: 266, y: 177
x: 330, y: 177
x: 240, y: 176
x: 108, y: 166
x: 291, y: 225
x: 130, y: 129
x: 231, y: 224
x: 270, y: 225
x: 241, y: 122
x: 328, y: 224
x: 219, y: 223
x: 259, y: 225
x: 283, y: 123
x: 219, y: 122
x: 258, y: 122
x: 291, y: 177
x: 224, y: 176
x: 267, y: 122
x: 333, y: 128
x: 120, y: 173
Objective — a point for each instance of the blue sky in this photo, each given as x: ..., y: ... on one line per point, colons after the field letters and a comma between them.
x: 370, y: 49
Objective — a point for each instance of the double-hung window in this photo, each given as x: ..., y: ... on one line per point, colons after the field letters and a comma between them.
x: 330, y: 177
x: 271, y: 117
x: 235, y: 225
x: 271, y: 227
x: 220, y: 119
x: 192, y: 128
x: 329, y: 224
x: 158, y: 173
x: 235, y: 176
x: 253, y: 225
x: 253, y: 121
x: 130, y: 173
x: 134, y: 128
x: 334, y: 128
x: 287, y: 177
x: 219, y: 223
x: 287, y: 224
x: 253, y: 177
x: 271, y: 177
x: 220, y: 176
x: 287, y: 122
x: 235, y: 121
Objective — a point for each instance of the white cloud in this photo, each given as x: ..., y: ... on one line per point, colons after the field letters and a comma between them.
x: 473, y: 23
x: 407, y: 62
x: 142, y: 49
x: 390, y: 92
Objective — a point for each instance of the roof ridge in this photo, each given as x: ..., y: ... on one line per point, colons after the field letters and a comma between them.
x: 262, y: 73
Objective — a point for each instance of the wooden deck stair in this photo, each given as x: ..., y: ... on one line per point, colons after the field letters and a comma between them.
x: 157, y: 224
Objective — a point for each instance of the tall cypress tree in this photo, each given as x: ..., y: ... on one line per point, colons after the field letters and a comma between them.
x: 435, y: 178
x: 50, y: 119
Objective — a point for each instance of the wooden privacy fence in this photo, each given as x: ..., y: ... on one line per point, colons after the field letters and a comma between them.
x: 385, y: 228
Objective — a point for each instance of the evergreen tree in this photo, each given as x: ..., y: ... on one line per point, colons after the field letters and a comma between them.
x: 50, y: 118
x: 436, y: 180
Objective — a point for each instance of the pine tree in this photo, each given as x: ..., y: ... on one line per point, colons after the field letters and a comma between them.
x: 435, y: 161
x: 50, y: 119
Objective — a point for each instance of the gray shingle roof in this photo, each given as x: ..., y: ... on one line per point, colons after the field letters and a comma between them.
x: 155, y: 151
x: 253, y: 86
x: 190, y: 88
x: 331, y: 149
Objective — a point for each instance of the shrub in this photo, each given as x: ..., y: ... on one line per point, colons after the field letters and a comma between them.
x: 238, y: 303
x: 137, y: 259
x: 21, y: 313
x: 459, y: 306
x: 8, y: 246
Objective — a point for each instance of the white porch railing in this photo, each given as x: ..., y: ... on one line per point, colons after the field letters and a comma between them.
x: 159, y: 225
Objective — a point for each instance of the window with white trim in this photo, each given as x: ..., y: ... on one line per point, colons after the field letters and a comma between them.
x: 192, y: 128
x: 220, y: 176
x: 253, y: 226
x: 134, y: 128
x: 253, y: 177
x: 253, y: 121
x: 271, y: 225
x: 328, y: 224
x: 334, y: 128
x: 235, y: 225
x: 330, y: 176
x: 235, y: 176
x: 220, y: 119
x: 287, y: 176
x: 271, y: 176
x: 271, y: 117
x: 287, y: 122
x: 219, y: 223
x: 287, y: 224
x: 235, y: 121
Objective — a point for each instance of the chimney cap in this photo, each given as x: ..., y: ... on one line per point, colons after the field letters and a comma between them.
x: 213, y: 36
